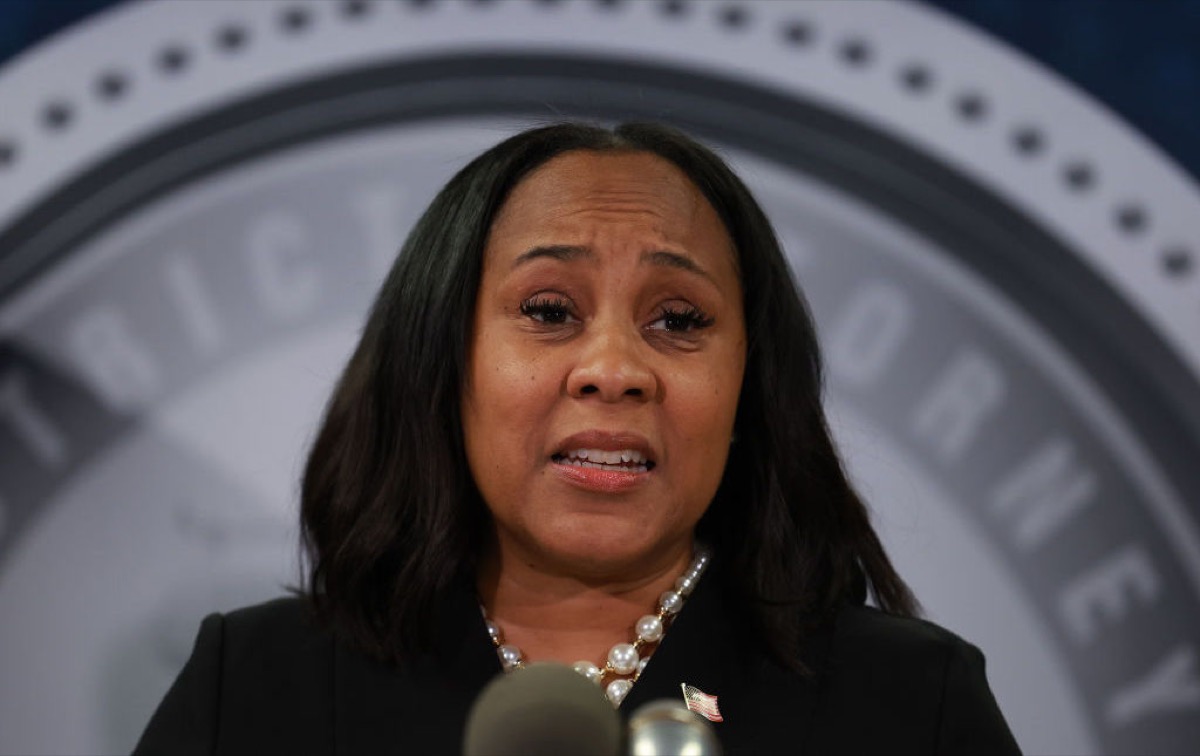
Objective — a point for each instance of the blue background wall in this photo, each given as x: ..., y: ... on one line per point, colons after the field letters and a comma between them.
x: 1139, y: 57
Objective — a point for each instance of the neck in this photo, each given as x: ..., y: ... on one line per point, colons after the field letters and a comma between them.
x: 554, y: 615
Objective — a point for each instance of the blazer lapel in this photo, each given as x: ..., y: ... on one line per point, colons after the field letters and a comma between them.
x: 706, y: 649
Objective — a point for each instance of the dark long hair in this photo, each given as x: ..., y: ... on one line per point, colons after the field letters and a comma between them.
x: 390, y: 515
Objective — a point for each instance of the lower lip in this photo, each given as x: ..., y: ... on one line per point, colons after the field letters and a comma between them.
x: 604, y: 481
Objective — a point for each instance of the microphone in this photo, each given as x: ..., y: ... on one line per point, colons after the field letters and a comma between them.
x: 664, y: 727
x: 543, y: 709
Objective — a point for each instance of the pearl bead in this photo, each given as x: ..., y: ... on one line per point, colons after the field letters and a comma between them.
x: 617, y: 690
x: 649, y: 628
x: 684, y: 584
x: 510, y: 656
x: 623, y: 658
x: 588, y: 670
x: 494, y: 632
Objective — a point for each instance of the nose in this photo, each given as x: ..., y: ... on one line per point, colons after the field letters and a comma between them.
x: 611, y: 367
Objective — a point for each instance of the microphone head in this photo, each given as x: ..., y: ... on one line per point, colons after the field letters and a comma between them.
x: 542, y: 709
x: 663, y: 727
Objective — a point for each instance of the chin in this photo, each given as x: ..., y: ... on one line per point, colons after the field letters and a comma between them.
x: 615, y: 556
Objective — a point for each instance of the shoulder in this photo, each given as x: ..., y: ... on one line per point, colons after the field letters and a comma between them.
x: 867, y: 630
x: 916, y: 681
x: 277, y: 676
x: 259, y: 680
x: 288, y: 621
x: 274, y: 645
x: 881, y: 653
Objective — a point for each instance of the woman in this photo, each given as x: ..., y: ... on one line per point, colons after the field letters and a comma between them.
x: 584, y: 425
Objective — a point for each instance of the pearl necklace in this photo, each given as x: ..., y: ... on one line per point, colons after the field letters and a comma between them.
x: 625, y: 660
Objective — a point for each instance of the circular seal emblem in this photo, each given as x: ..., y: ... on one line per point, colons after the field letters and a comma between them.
x: 197, y: 202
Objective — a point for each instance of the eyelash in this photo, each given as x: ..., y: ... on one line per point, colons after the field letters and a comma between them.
x: 556, y: 310
x: 692, y: 318
x: 548, y: 310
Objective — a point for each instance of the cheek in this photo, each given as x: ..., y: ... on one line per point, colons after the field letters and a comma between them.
x: 508, y: 399
x: 703, y: 409
x: 496, y: 430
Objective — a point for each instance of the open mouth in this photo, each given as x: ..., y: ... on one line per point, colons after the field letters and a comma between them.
x: 624, y: 460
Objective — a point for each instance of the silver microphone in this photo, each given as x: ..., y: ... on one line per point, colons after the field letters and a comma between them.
x: 667, y: 728
x: 542, y: 709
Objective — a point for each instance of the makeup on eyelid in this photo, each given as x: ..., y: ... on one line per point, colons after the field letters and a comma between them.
x: 556, y: 310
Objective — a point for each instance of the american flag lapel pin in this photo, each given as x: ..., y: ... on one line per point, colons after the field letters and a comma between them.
x: 700, y: 702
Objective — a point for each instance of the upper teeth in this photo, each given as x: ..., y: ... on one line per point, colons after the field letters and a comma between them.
x: 607, y: 457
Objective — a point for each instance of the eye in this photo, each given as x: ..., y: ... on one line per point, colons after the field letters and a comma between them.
x: 552, y: 310
x: 678, y: 319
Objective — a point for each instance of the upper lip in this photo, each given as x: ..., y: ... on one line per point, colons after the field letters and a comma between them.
x: 607, y: 441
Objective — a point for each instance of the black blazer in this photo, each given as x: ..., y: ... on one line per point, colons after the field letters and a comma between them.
x: 268, y: 680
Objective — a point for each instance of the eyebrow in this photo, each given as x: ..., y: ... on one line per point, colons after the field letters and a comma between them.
x: 567, y: 253
x: 562, y: 252
x: 675, y: 260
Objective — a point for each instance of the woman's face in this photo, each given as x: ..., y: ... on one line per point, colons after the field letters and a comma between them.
x: 605, y: 364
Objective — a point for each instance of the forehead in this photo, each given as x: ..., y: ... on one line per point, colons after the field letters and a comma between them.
x: 589, y: 193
